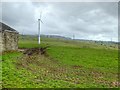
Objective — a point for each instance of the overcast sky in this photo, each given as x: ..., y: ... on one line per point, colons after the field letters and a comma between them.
x: 86, y: 20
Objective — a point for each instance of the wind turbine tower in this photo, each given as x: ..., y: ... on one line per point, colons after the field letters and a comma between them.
x: 39, y: 27
x: 111, y: 39
x: 73, y: 36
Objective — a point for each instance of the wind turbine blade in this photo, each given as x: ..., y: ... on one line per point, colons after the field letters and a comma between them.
x: 40, y: 14
x: 41, y: 20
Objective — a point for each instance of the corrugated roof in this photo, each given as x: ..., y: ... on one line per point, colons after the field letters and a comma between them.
x: 6, y: 27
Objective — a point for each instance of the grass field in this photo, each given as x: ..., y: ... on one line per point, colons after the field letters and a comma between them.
x: 68, y: 64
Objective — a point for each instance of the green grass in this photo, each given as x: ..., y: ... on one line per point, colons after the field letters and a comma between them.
x: 105, y: 60
x: 68, y: 64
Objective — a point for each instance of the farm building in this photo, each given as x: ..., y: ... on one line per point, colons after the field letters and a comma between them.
x: 8, y: 38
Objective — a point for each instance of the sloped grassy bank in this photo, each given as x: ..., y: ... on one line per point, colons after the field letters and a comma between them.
x: 64, y: 64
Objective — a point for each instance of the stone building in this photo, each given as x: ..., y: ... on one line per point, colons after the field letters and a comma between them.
x: 8, y: 38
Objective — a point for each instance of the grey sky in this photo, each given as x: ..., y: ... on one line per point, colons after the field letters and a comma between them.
x: 86, y: 20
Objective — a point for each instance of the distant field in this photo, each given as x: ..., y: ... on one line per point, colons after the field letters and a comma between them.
x: 68, y: 64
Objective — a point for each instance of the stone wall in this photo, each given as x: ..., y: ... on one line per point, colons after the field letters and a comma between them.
x: 1, y: 45
x: 9, y: 40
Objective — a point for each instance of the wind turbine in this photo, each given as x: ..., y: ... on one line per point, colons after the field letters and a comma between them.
x: 111, y: 39
x: 39, y: 23
x: 73, y: 36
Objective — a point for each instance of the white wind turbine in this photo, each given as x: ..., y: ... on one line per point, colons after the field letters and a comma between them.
x: 39, y: 23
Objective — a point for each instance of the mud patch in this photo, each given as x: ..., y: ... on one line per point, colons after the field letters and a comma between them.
x: 77, y: 67
x: 32, y: 51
